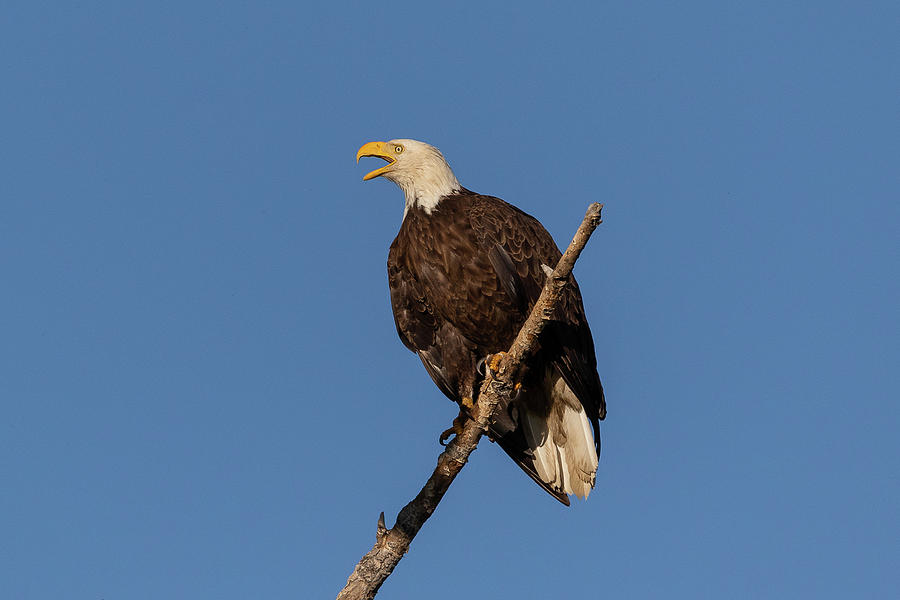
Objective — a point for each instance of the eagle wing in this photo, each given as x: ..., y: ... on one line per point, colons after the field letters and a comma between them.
x: 523, y: 248
x: 417, y: 325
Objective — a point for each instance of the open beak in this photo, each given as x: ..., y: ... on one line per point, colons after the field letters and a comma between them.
x: 379, y: 149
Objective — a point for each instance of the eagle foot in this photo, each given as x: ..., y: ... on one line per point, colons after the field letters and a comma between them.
x: 493, y: 362
x: 465, y: 405
x: 455, y: 430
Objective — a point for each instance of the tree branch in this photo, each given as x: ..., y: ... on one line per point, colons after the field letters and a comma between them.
x: 391, y: 544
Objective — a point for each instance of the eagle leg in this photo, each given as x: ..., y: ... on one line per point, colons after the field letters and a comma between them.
x: 493, y: 364
x: 465, y: 406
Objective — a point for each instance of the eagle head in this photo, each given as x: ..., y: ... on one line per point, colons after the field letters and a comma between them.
x: 419, y: 169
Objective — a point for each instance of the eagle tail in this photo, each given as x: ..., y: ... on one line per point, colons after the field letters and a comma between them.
x: 558, y: 441
x: 517, y: 450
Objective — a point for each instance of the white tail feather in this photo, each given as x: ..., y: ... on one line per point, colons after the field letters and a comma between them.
x: 564, y: 453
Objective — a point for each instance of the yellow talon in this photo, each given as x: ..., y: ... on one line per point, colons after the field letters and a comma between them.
x: 456, y: 429
x: 495, y: 361
x: 468, y: 403
x: 517, y: 387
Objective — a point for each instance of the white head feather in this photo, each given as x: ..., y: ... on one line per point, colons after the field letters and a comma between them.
x: 419, y: 169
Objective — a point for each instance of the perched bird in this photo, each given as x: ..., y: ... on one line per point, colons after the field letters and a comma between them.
x: 464, y: 272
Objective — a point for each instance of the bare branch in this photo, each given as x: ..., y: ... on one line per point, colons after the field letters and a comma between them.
x: 391, y: 544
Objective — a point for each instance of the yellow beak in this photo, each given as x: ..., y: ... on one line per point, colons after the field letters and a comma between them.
x: 379, y: 149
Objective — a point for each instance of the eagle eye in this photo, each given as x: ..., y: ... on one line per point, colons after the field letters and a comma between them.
x: 398, y: 149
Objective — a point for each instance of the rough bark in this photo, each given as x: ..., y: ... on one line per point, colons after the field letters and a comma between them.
x: 391, y: 544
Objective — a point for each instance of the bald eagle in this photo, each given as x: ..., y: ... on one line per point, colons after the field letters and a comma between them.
x: 464, y: 272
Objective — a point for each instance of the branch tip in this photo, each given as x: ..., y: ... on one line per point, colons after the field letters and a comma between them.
x: 594, y: 213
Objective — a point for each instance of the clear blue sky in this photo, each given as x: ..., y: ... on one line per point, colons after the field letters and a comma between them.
x: 202, y: 394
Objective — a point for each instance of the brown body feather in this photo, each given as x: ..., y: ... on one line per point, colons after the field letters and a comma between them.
x: 463, y: 280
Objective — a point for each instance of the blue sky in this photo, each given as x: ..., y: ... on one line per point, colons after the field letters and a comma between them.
x: 202, y: 392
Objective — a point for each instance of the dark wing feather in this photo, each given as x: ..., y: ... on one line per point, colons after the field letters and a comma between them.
x: 416, y: 323
x: 509, y: 278
x: 567, y: 341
